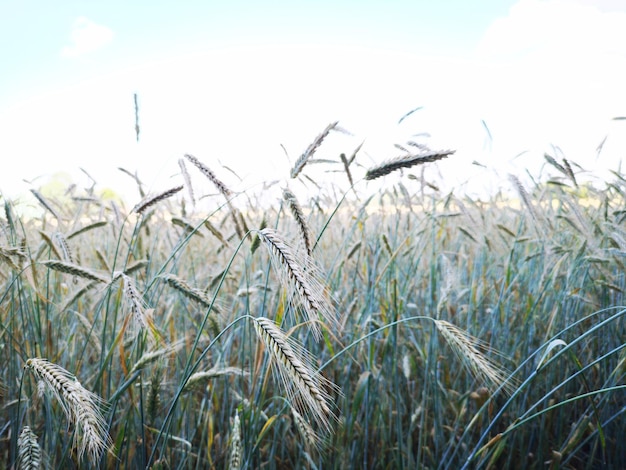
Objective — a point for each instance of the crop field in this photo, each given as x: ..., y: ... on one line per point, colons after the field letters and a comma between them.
x: 374, y: 322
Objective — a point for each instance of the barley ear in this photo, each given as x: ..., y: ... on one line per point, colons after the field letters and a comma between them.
x: 406, y: 161
x: 300, y: 275
x: 298, y: 215
x: 29, y: 455
x: 81, y: 407
x: 234, y: 462
x: 305, y: 388
x: 466, y: 348
x: 149, y: 201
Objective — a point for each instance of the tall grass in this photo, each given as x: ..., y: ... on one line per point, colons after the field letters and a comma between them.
x: 407, y: 328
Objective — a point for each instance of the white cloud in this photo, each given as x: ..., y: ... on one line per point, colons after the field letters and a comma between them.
x: 87, y: 37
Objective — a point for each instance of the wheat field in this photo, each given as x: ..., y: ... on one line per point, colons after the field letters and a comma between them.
x: 342, y: 326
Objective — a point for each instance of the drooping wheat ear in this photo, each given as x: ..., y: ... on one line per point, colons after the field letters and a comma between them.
x: 304, y: 387
x: 187, y: 226
x: 81, y: 407
x: 45, y: 203
x: 216, y: 233
x: 467, y: 349
x: 65, y: 248
x: 234, y: 461
x: 135, y: 302
x: 187, y: 179
x: 298, y: 215
x: 191, y: 292
x: 88, y: 326
x: 569, y: 172
x: 301, y: 275
x: 6, y: 254
x: 302, y: 160
x: 311, y: 440
x: 221, y: 187
x: 29, y: 456
x: 151, y: 200
x: 152, y: 356
x: 406, y: 161
x: 74, y: 270
x: 135, y: 266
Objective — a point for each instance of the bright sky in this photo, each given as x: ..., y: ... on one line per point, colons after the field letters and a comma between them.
x: 231, y: 81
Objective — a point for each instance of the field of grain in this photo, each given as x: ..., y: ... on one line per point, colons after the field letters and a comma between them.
x: 351, y: 326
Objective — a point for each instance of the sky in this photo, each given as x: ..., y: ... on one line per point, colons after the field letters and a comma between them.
x: 246, y: 86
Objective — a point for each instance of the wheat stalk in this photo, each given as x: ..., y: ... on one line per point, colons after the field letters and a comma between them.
x: 301, y: 277
x: 302, y: 160
x: 149, y: 201
x: 304, y: 386
x: 406, y: 161
x: 466, y: 349
x: 298, y: 215
x: 28, y: 451
x: 79, y: 404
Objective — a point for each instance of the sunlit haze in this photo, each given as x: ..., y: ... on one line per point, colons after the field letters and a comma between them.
x: 232, y: 82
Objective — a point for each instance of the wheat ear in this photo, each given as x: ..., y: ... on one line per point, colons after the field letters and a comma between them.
x: 187, y: 179
x: 234, y: 461
x: 467, y: 350
x: 45, y: 203
x: 302, y: 160
x: 311, y: 439
x: 191, y: 292
x: 152, y: 200
x: 79, y: 404
x: 406, y: 161
x: 301, y: 277
x: 75, y: 270
x: 221, y: 187
x: 28, y: 450
x: 298, y: 215
x: 304, y: 387
x: 135, y: 302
